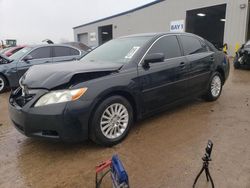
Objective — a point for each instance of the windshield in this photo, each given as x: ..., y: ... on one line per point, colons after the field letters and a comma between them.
x: 20, y: 53
x: 118, y: 51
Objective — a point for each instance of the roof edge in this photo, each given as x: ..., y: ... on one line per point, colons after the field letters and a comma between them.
x: 120, y: 14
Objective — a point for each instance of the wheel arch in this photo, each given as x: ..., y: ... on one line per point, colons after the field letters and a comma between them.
x: 220, y: 70
x: 5, y: 77
x: 124, y: 93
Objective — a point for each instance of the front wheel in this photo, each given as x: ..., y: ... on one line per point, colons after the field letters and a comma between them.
x: 111, y: 121
x: 3, y: 84
x: 215, y: 88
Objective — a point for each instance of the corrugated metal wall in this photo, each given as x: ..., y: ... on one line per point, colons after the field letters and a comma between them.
x: 157, y: 18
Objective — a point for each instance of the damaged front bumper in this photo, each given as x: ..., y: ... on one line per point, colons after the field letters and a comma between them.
x: 64, y: 121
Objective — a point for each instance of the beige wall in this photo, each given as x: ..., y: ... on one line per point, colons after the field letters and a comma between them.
x: 157, y: 18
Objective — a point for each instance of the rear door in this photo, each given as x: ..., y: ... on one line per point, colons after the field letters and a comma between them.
x: 41, y: 55
x: 201, y: 63
x: 164, y: 82
x: 64, y: 53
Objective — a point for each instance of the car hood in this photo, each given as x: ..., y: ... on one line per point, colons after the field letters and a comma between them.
x: 51, y: 76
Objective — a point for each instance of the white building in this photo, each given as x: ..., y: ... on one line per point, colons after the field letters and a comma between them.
x: 219, y: 21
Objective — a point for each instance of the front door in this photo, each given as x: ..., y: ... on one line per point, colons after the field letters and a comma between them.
x: 164, y: 82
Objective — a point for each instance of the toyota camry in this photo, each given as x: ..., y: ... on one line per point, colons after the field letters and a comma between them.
x: 124, y: 80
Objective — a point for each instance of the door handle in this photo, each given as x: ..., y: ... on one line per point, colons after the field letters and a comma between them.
x: 182, y: 65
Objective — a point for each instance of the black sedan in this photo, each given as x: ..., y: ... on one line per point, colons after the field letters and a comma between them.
x: 116, y: 84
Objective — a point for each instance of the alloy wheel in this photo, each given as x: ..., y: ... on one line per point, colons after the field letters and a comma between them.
x: 2, y: 84
x: 114, y: 121
x: 216, y: 86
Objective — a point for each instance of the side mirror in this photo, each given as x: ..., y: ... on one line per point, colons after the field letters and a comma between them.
x: 27, y: 58
x: 153, y: 58
x: 4, y: 59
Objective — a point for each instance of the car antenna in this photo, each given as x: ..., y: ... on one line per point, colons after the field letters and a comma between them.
x: 48, y: 41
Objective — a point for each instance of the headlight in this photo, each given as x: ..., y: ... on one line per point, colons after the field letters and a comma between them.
x: 60, y: 96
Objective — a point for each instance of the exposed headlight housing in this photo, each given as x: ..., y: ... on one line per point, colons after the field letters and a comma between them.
x: 60, y: 96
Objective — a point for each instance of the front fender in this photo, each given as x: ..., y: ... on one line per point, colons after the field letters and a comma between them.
x: 9, y: 72
x: 133, y: 96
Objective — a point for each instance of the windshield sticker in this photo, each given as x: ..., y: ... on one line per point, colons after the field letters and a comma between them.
x: 132, y: 52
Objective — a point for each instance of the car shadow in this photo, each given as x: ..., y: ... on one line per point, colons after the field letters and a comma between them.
x: 172, y: 110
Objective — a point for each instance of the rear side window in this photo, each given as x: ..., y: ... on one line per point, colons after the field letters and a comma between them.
x: 168, y: 45
x: 40, y: 53
x: 192, y: 45
x: 211, y: 46
x: 204, y: 45
x: 60, y: 51
x: 74, y: 52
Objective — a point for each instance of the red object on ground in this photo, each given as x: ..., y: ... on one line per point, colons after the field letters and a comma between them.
x: 103, y: 166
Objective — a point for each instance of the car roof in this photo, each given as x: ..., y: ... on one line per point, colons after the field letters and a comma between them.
x: 159, y: 34
x: 16, y: 47
x: 51, y: 45
x: 78, y: 45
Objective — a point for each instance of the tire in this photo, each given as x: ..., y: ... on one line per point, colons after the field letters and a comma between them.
x: 113, y: 114
x: 215, y: 87
x: 236, y: 64
x: 3, y: 84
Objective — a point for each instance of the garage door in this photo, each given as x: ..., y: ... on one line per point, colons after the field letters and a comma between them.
x: 83, y: 38
x: 208, y: 22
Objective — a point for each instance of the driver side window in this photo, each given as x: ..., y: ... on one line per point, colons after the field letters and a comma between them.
x: 167, y: 45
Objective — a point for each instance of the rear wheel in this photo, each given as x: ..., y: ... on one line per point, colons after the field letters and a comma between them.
x: 111, y: 121
x: 215, y: 88
x: 3, y: 84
